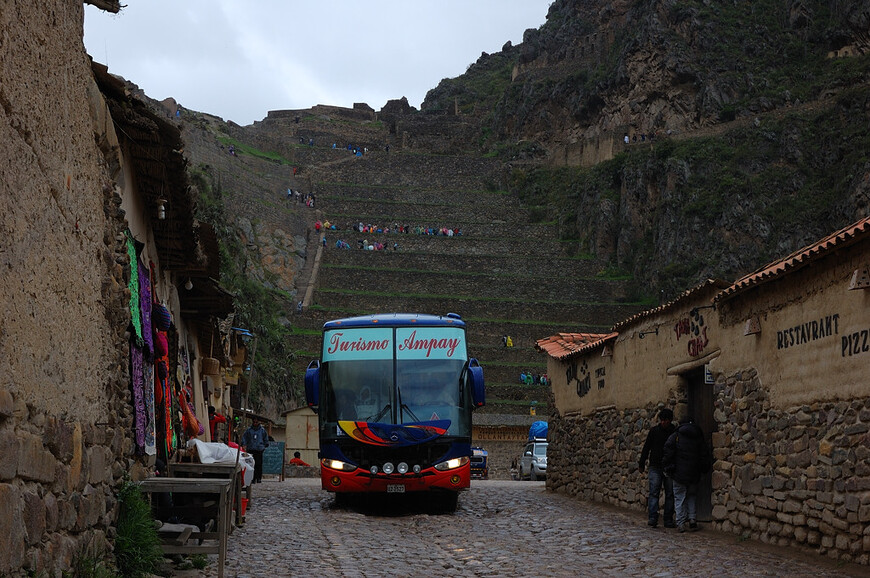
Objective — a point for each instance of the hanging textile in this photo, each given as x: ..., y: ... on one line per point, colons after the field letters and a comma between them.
x: 162, y: 396
x: 191, y: 425
x: 162, y: 384
x: 133, y: 286
x: 148, y: 356
x: 137, y: 362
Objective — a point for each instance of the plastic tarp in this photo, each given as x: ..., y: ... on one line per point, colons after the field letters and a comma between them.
x: 538, y: 430
x: 218, y: 453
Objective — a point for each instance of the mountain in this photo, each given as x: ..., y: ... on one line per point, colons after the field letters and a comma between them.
x: 637, y: 147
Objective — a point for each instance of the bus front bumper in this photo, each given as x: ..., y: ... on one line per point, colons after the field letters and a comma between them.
x: 363, y: 481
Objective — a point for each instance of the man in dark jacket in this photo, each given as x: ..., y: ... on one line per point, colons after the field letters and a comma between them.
x: 652, y: 449
x: 684, y: 459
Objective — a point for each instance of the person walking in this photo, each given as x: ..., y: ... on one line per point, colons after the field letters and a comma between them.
x: 652, y: 450
x: 684, y: 458
x: 255, y: 440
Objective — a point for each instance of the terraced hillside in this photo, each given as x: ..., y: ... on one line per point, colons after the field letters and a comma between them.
x: 503, y: 274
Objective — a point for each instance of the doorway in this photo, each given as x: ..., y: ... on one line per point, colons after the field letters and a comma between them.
x: 700, y: 402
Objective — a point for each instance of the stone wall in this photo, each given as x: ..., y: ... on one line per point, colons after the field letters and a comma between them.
x: 796, y: 477
x: 64, y: 412
x: 793, y: 477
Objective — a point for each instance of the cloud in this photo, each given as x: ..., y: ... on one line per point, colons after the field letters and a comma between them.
x: 238, y: 60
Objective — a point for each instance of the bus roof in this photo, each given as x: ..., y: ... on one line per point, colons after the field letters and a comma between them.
x: 397, y: 320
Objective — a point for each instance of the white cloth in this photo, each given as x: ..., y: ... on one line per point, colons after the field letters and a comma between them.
x: 218, y: 453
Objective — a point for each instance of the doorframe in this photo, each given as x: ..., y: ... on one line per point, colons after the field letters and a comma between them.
x: 698, y: 398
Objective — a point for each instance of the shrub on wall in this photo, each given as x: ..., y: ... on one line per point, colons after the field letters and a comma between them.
x: 137, y: 545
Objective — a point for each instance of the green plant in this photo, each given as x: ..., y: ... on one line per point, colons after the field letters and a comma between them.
x: 199, y: 561
x: 137, y: 545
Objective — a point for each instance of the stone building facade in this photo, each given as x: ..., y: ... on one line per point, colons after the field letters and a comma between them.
x: 77, y: 184
x: 772, y: 367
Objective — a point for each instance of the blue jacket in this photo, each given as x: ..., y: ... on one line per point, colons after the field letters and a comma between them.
x: 255, y: 439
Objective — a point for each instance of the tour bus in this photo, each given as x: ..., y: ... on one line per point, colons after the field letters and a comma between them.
x: 394, y: 395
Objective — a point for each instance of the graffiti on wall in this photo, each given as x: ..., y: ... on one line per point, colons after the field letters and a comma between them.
x: 694, y: 327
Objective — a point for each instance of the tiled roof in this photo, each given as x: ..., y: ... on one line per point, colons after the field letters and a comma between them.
x: 680, y: 300
x: 842, y: 238
x: 564, y: 345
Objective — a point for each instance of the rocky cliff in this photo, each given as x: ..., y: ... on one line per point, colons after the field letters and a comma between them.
x: 682, y: 140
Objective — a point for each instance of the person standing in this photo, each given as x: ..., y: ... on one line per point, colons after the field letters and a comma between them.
x: 255, y: 440
x: 214, y: 418
x: 684, y: 459
x: 652, y: 450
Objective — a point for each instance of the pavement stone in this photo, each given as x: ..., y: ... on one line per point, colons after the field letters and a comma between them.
x: 501, y: 528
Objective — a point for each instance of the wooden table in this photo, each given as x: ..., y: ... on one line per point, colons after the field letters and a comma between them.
x: 198, y: 486
x: 225, y: 471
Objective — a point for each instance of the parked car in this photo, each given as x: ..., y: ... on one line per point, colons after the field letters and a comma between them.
x: 479, y: 467
x: 533, y: 462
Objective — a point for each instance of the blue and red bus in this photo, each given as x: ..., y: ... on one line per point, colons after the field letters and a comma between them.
x: 394, y: 395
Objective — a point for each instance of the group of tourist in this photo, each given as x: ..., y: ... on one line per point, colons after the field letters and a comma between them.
x: 374, y: 245
x: 643, y: 137
x: 529, y: 378
x: 406, y: 229
x: 300, y: 197
x: 678, y: 457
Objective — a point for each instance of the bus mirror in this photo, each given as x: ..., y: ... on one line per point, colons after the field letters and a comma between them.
x: 312, y: 384
x: 475, y: 379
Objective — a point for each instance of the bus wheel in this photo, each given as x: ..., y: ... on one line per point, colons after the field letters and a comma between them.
x: 450, y: 502
x: 533, y: 476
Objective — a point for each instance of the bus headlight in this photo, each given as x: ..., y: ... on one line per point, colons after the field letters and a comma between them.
x: 337, y: 465
x: 389, y: 468
x: 451, y: 464
x: 402, y: 468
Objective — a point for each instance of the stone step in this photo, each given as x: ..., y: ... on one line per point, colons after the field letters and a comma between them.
x: 518, y: 286
x: 515, y: 265
x: 419, y: 195
x: 504, y: 220
x: 460, y: 245
x: 571, y: 314
x: 416, y: 171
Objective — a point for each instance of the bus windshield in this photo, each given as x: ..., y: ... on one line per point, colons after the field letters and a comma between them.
x: 395, y: 376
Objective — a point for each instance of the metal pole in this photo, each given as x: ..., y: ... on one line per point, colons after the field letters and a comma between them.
x: 250, y: 375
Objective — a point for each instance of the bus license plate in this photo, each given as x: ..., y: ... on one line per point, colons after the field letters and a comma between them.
x: 395, y: 489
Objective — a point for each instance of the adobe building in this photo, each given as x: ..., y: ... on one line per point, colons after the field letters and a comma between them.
x: 772, y: 367
x: 98, y: 227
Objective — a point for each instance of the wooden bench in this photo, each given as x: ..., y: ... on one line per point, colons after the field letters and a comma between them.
x: 223, y: 471
x: 181, y: 542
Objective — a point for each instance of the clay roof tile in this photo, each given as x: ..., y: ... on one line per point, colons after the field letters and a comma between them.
x: 838, y: 240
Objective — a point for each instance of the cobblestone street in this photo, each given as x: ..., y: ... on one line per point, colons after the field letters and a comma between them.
x: 502, y: 528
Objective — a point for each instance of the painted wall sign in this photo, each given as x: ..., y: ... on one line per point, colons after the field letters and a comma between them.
x: 695, y: 327
x: 808, y: 332
x: 856, y: 343
x: 582, y: 376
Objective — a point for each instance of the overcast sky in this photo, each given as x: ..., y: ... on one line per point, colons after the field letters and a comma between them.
x: 240, y: 59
